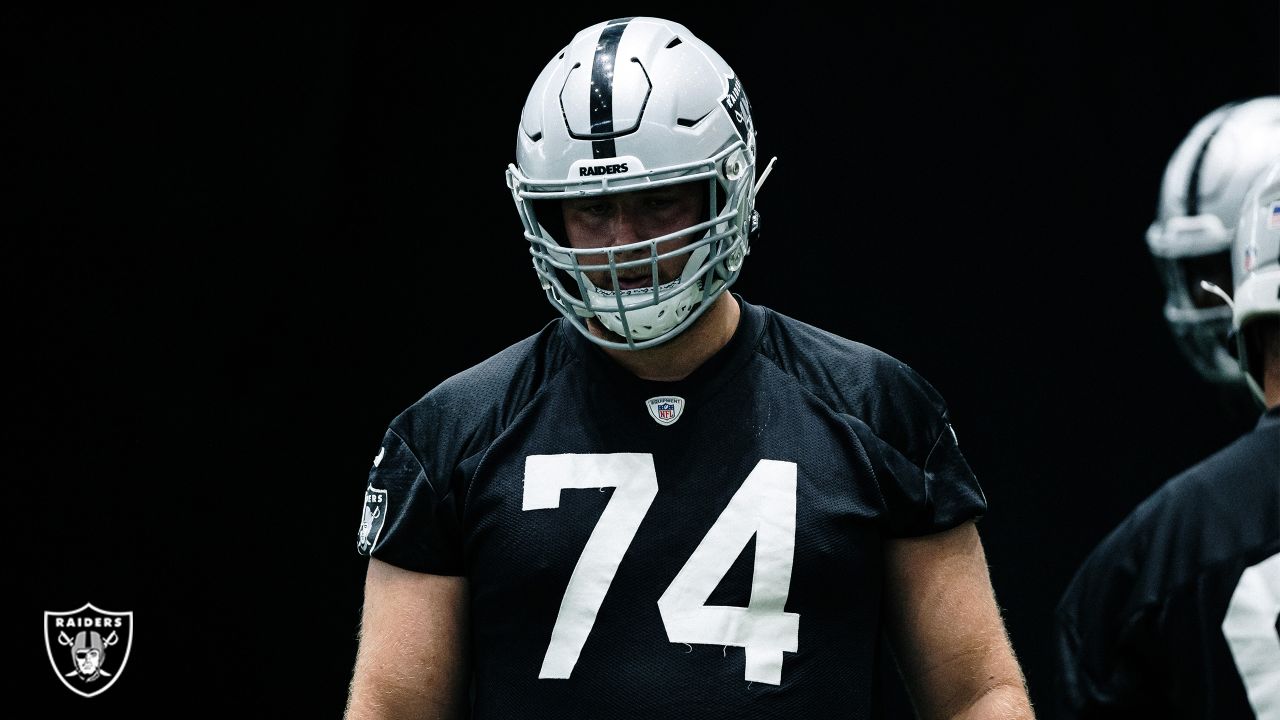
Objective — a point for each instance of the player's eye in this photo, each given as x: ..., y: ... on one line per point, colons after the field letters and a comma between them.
x: 594, y: 209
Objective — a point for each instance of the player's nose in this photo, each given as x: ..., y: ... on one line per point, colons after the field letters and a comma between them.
x: 629, y: 227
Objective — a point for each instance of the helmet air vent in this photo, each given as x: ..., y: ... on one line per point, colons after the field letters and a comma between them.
x: 686, y: 122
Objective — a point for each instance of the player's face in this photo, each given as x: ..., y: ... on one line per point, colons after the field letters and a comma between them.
x: 87, y: 661
x: 613, y: 220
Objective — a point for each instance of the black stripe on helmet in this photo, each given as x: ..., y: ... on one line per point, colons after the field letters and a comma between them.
x: 1193, y: 182
x: 602, y: 68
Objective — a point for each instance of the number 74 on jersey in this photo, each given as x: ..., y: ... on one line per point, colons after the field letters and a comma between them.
x: 764, y: 507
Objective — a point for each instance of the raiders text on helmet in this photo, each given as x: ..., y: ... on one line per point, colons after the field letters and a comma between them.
x: 636, y: 104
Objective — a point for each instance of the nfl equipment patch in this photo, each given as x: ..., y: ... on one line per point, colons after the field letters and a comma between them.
x: 665, y: 409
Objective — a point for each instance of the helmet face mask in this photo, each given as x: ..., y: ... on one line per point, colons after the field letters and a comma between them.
x: 1200, y: 322
x: 676, y: 114
x: 1204, y: 183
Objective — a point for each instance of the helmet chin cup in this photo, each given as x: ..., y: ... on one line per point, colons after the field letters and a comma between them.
x: 649, y: 322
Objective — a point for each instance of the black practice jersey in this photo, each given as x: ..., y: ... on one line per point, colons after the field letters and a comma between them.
x: 1174, y: 615
x: 708, y: 548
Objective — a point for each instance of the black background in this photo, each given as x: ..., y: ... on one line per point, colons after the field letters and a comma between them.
x: 239, y: 241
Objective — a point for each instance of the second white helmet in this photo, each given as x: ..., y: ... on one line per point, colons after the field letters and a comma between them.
x: 1204, y: 185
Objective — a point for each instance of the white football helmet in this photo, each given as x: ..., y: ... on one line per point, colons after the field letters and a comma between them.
x: 1255, y: 266
x: 634, y: 104
x: 1204, y: 185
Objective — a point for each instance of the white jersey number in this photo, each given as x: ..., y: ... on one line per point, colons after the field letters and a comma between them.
x: 1250, y: 630
x: 636, y: 481
x: 764, y: 508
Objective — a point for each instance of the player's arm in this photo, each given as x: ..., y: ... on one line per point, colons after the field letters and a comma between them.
x: 412, y: 661
x: 946, y: 628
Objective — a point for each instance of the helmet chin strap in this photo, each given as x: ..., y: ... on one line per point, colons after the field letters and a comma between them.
x: 1210, y: 287
x: 763, y: 176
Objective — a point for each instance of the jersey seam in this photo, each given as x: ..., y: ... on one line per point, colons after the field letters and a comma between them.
x: 422, y: 469
x: 801, y: 383
x: 1146, y: 608
x: 1169, y: 593
x: 808, y: 391
x: 924, y: 468
x: 484, y: 454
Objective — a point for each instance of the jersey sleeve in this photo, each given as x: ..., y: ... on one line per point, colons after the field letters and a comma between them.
x: 414, y: 506
x: 926, y: 483
x: 1103, y: 637
x: 410, y: 518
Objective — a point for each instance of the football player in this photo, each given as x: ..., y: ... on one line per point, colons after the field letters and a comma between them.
x: 669, y: 502
x: 1175, y: 614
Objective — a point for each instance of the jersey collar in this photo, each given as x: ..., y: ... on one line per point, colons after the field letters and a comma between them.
x: 702, y: 383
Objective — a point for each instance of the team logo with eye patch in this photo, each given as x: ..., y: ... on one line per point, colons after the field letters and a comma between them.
x: 665, y: 409
x: 88, y: 647
x: 735, y: 103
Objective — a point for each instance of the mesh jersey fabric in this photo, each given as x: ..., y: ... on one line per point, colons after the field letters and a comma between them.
x: 1139, y: 629
x: 873, y: 457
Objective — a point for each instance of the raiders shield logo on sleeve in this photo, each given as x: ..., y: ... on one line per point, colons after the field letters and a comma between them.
x: 371, y: 520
